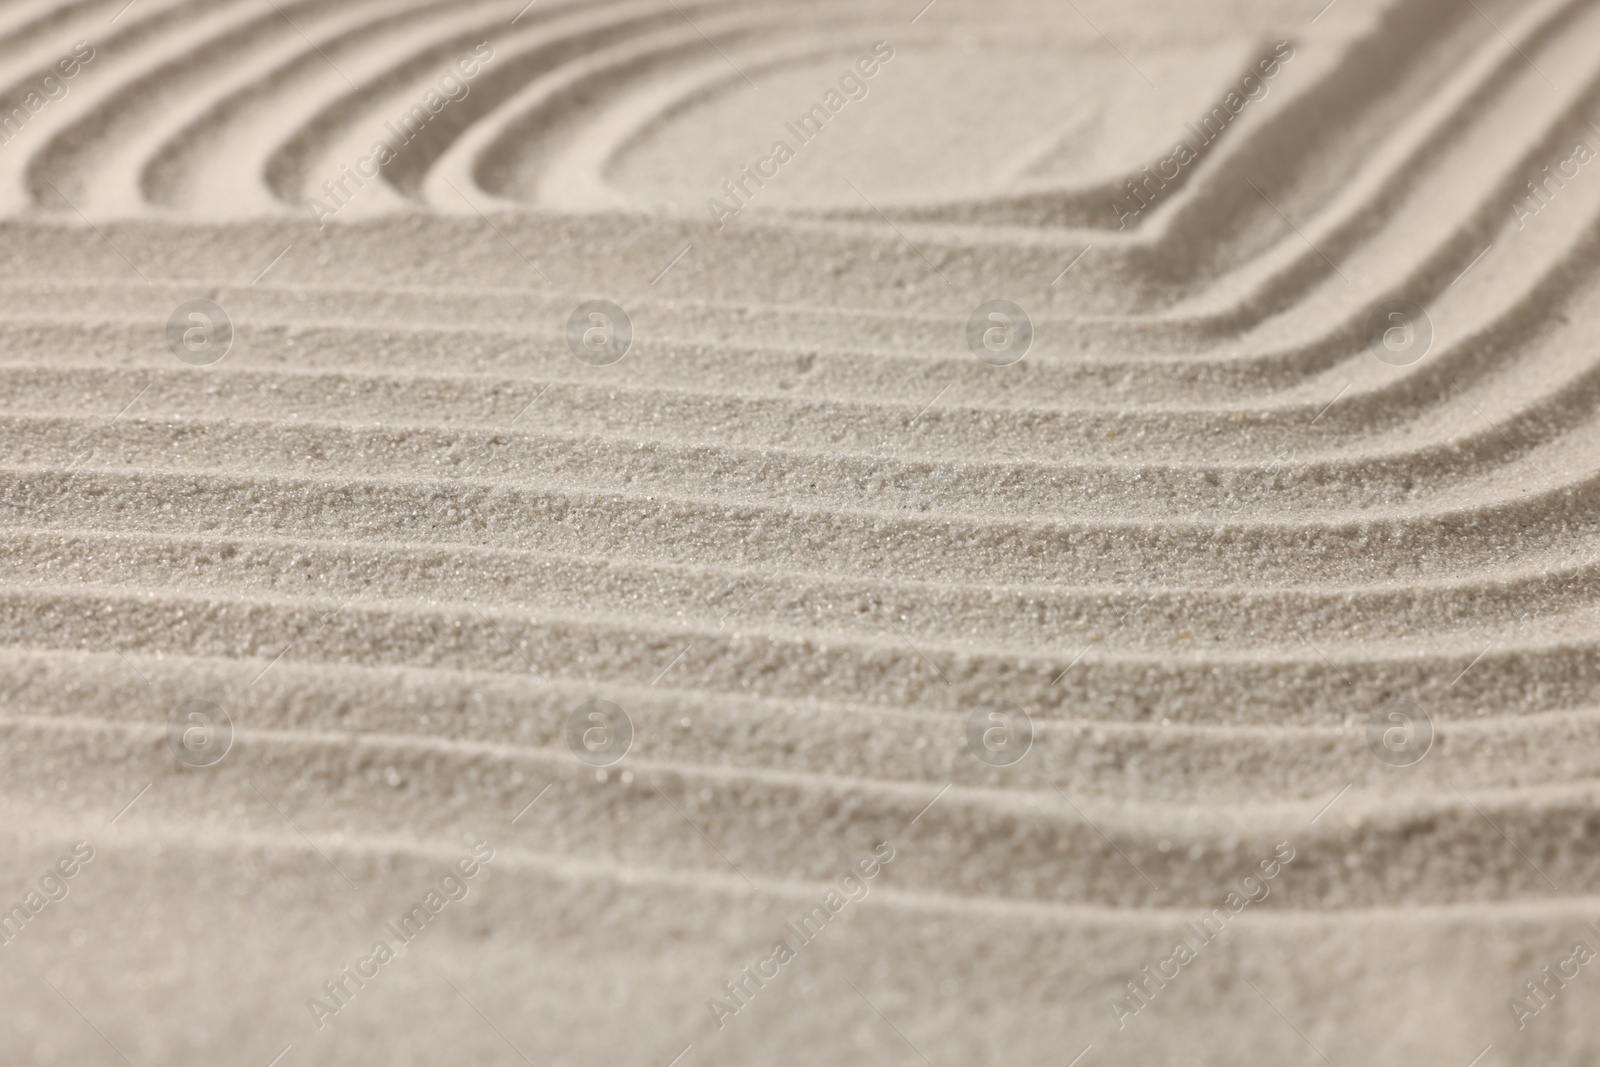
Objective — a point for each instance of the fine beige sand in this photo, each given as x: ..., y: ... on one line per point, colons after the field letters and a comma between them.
x: 799, y: 658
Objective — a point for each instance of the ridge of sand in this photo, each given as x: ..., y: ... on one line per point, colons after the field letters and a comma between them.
x: 1201, y: 536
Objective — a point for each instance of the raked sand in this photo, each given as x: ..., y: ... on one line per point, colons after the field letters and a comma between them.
x: 1193, y: 663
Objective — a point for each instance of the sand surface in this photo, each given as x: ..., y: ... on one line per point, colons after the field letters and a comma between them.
x: 1194, y: 663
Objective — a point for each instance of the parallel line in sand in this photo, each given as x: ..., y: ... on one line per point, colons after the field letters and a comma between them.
x: 535, y: 864
x: 44, y: 481
x: 1322, y: 851
x: 1532, y: 572
x: 394, y: 448
x: 141, y: 614
x: 1115, y: 812
x: 670, y: 703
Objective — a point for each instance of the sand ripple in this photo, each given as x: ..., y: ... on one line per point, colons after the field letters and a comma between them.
x: 1203, y: 537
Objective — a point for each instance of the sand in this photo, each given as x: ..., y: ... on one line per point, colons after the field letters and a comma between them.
x: 721, y: 533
